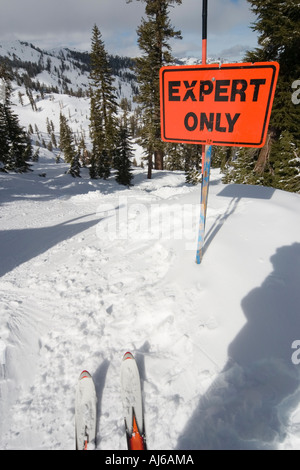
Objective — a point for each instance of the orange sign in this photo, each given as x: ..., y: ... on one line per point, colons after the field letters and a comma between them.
x: 226, y: 105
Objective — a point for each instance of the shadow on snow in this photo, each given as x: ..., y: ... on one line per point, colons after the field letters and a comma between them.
x: 249, y: 403
x: 19, y: 246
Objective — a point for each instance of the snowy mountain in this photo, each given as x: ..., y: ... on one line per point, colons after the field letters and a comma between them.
x: 61, y: 70
x: 47, y: 83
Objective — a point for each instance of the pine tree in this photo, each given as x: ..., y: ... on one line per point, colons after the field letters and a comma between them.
x: 241, y: 169
x: 123, y: 155
x: 66, y: 139
x: 103, y: 109
x: 97, y: 135
x: 286, y: 163
x: 71, y: 156
x: 75, y: 165
x: 15, y: 145
x: 193, y: 163
x: 221, y: 157
x: 4, y: 144
x: 279, y: 39
x: 175, y: 157
x: 154, y: 35
x: 83, y: 151
x: 103, y: 164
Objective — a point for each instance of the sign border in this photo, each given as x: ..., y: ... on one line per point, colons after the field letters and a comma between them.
x: 187, y: 68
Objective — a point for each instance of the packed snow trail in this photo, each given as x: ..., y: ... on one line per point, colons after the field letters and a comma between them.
x: 90, y: 270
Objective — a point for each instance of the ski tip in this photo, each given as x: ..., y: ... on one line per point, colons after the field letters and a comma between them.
x: 85, y: 375
x: 127, y: 355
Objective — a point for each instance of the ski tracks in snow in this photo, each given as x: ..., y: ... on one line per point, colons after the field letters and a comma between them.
x: 85, y: 299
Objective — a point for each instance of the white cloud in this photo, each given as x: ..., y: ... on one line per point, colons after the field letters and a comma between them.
x: 70, y: 22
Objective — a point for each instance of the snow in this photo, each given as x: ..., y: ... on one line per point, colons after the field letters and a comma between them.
x: 90, y: 269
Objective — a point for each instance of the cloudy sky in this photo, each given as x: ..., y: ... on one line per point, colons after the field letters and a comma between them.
x: 54, y: 23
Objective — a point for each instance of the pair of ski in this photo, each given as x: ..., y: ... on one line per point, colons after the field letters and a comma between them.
x: 86, y: 408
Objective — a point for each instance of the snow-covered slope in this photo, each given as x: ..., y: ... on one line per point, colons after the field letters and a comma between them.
x: 49, y: 68
x: 60, y: 75
x: 90, y: 270
x: 62, y: 70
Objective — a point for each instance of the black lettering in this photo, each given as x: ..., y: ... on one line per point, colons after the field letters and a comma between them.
x: 173, y: 89
x: 257, y: 82
x: 195, y: 122
x: 190, y: 92
x: 206, y: 87
x: 220, y: 84
x: 231, y: 122
x: 209, y: 123
x: 236, y: 90
x: 218, y: 123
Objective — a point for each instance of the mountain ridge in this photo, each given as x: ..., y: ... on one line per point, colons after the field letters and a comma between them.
x: 60, y: 70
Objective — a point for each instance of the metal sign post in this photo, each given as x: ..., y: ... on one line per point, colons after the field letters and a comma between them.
x: 206, y: 154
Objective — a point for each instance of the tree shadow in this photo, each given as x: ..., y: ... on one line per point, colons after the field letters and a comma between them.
x: 249, y: 403
x: 19, y: 246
